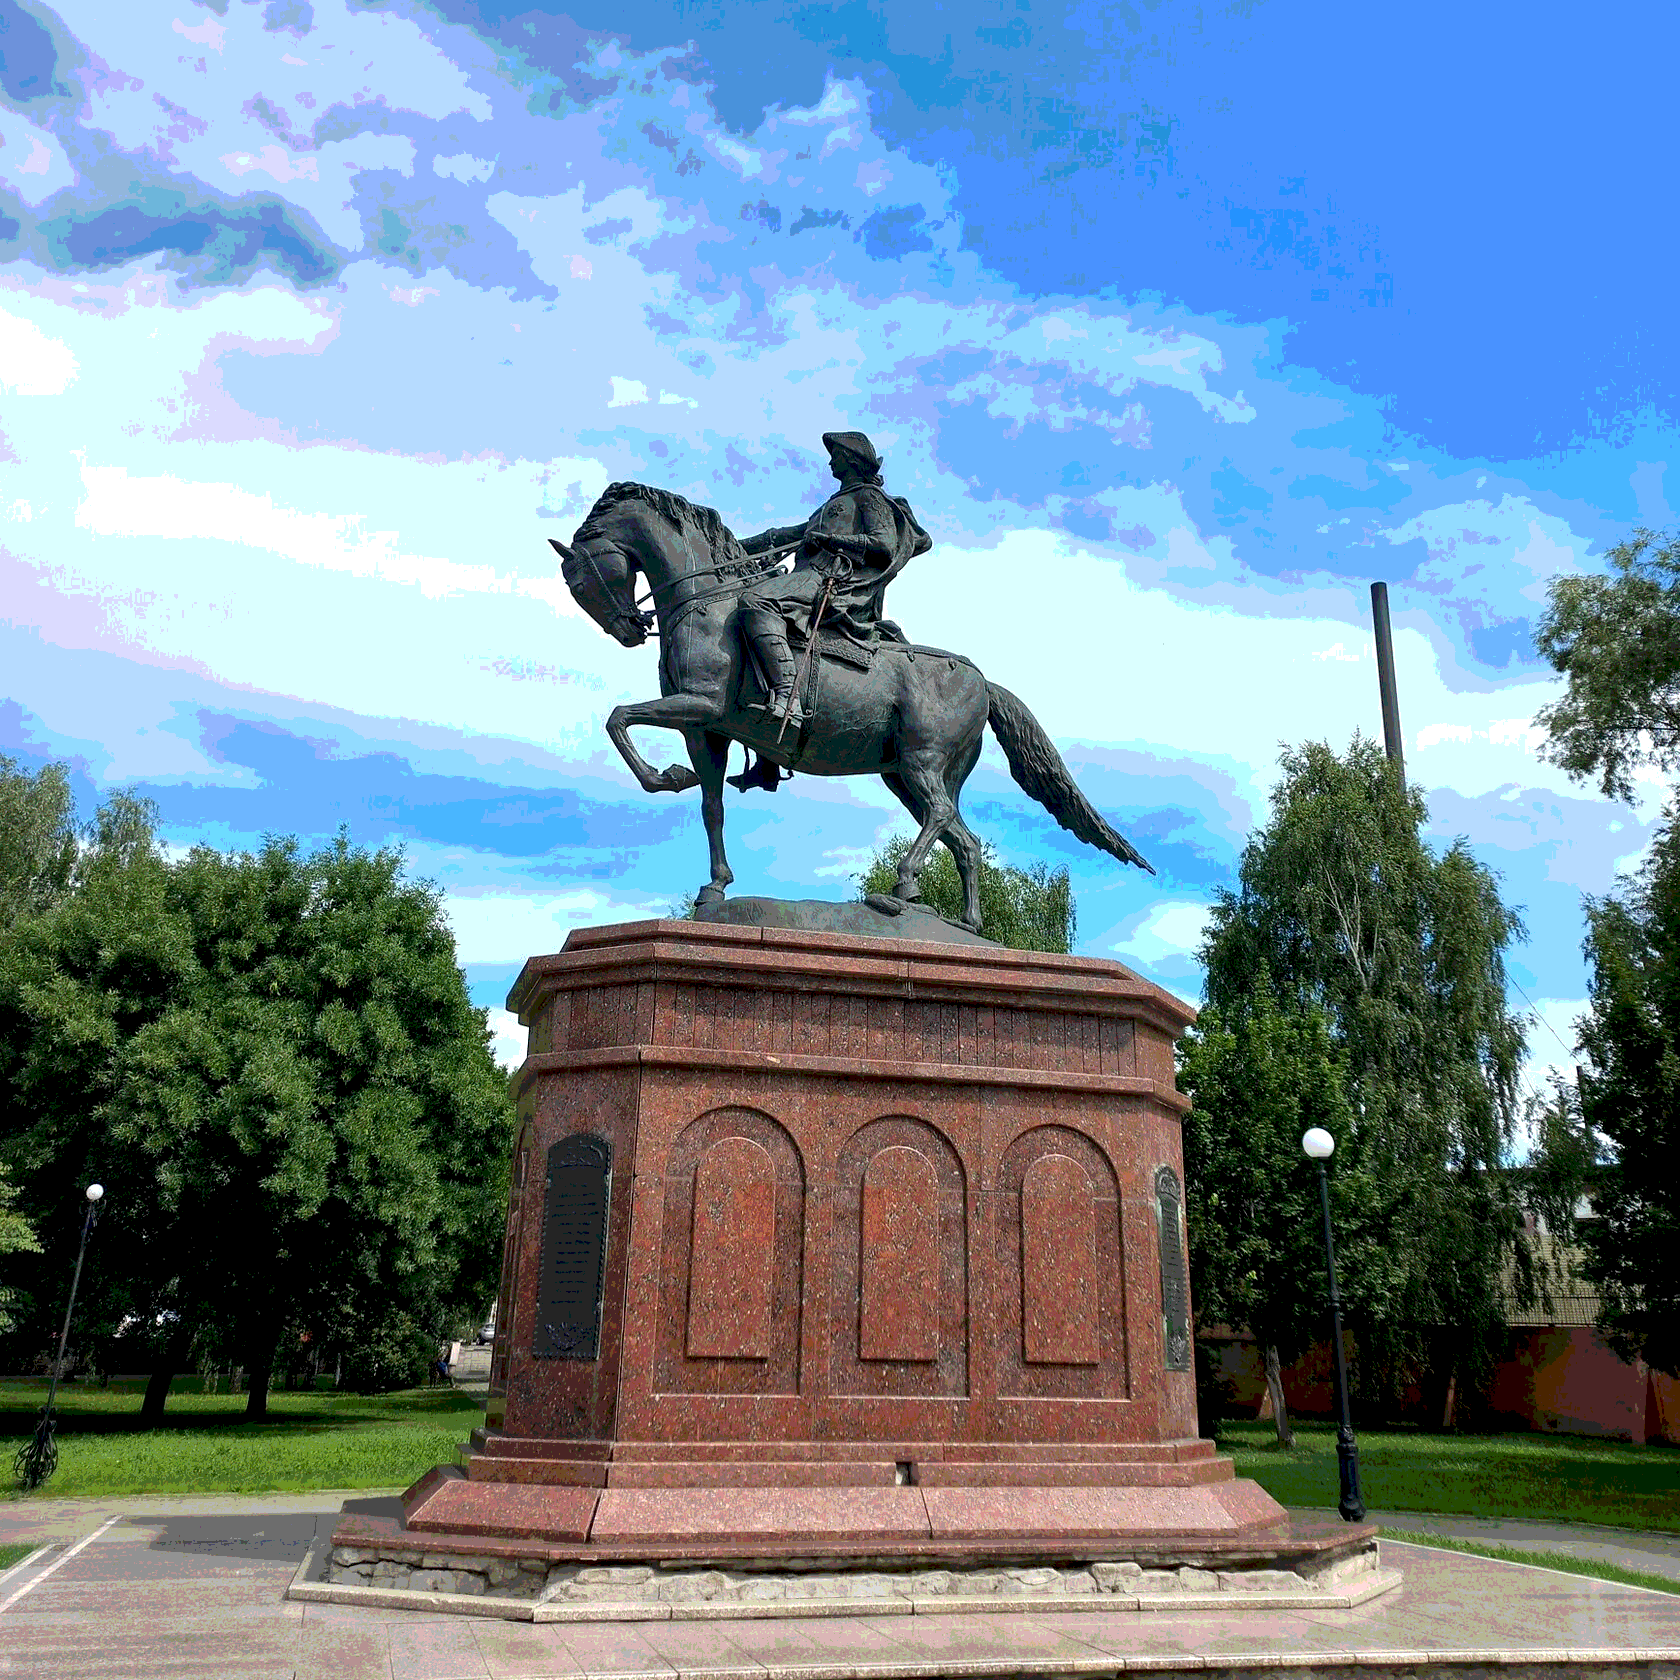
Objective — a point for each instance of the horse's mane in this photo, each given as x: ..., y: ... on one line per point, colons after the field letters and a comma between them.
x: 708, y: 522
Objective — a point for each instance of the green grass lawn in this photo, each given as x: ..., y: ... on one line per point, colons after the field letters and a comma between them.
x: 15, y: 1552
x: 1564, y: 1478
x: 309, y: 1440
x: 328, y: 1440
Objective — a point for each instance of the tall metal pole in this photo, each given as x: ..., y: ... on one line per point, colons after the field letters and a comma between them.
x: 1352, y: 1505
x: 37, y: 1458
x: 1392, y: 738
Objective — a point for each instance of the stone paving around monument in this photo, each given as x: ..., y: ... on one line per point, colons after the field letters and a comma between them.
x: 189, y: 1592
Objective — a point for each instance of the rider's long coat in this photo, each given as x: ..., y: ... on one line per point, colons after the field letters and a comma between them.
x: 854, y: 607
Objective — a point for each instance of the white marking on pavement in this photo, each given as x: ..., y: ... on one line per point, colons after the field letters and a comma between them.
x: 53, y: 1568
x: 21, y: 1567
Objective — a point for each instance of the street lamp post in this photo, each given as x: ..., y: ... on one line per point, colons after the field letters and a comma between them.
x: 38, y: 1456
x: 1319, y: 1145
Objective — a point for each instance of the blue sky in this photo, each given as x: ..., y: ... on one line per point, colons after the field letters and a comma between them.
x: 1177, y: 324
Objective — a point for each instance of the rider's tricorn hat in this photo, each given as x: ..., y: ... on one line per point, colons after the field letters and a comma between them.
x: 856, y: 445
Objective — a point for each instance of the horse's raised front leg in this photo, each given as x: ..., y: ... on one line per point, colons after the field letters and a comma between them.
x: 710, y: 755
x: 672, y: 711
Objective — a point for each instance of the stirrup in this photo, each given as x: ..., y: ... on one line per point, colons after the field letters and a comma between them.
x: 780, y: 706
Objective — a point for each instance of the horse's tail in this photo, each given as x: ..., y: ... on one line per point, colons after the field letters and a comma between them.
x: 1038, y: 768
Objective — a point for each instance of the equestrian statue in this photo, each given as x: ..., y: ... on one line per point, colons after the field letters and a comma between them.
x: 800, y: 666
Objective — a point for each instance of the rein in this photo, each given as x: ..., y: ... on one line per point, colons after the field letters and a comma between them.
x: 738, y: 575
x: 739, y: 572
x: 733, y: 567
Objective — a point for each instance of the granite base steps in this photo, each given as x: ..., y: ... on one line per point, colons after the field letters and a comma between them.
x: 529, y: 1589
x: 375, y: 1548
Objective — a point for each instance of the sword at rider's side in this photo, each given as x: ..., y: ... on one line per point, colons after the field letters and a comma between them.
x: 805, y: 660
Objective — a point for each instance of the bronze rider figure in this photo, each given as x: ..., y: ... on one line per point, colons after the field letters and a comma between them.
x: 855, y: 544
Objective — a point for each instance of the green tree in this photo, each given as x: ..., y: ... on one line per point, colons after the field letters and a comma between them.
x: 1616, y: 1133
x: 325, y: 1080
x: 1258, y: 1079
x: 81, y: 966
x: 17, y: 1236
x: 273, y: 1063
x: 37, y: 838
x: 1616, y: 638
x: 1341, y: 908
x: 1028, y: 909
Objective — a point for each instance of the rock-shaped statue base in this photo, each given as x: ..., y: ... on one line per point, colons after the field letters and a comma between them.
x: 816, y: 915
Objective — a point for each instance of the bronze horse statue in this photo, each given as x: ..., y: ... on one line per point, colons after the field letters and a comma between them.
x: 913, y: 716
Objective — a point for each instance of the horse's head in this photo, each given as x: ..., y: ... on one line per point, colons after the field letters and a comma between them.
x: 602, y: 579
x: 639, y: 528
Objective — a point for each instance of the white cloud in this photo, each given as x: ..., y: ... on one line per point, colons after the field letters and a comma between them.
x: 1432, y: 735
x: 273, y: 161
x: 498, y: 929
x: 508, y: 1039
x: 463, y: 166
x: 209, y: 33
x: 118, y: 505
x: 1338, y: 651
x: 1170, y: 928
x: 626, y: 393
x: 1099, y: 657
x: 1551, y: 1038
x: 31, y: 363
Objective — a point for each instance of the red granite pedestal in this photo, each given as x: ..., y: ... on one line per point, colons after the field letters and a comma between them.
x: 830, y: 1246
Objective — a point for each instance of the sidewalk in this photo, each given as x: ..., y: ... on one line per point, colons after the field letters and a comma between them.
x: 1629, y: 1548
x: 39, y: 1522
x: 161, y: 1598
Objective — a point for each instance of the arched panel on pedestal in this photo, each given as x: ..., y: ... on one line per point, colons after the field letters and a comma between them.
x: 898, y: 1257
x: 1061, y: 1283
x: 899, y: 1304
x: 1059, y: 1263
x: 731, y: 1249
x: 732, y: 1260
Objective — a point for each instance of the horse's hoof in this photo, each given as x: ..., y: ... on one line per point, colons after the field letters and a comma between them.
x: 708, y: 894
x: 677, y: 779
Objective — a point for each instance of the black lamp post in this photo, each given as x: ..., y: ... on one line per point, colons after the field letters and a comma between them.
x: 37, y: 1458
x: 1319, y: 1145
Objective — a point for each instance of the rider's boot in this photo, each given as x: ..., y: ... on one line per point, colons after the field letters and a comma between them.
x: 770, y: 643
x: 760, y: 772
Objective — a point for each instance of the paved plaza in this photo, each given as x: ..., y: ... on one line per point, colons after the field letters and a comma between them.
x: 156, y: 1587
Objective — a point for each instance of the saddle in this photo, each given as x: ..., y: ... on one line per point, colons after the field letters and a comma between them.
x: 842, y: 650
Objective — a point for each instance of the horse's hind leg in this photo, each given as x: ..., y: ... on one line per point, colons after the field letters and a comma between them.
x: 709, y: 754
x: 922, y: 772
x: 965, y: 848
x: 956, y: 834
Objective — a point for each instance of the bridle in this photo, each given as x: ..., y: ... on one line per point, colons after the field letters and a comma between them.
x: 647, y: 621
x: 642, y: 620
